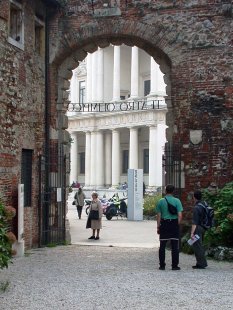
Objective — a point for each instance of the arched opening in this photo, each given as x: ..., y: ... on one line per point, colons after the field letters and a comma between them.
x: 74, y: 47
x: 121, y: 89
x: 80, y: 127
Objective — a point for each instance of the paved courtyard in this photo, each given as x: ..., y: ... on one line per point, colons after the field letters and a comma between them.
x: 111, y: 274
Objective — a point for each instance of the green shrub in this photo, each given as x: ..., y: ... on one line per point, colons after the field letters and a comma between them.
x: 222, y: 202
x: 7, y: 238
x: 150, y: 204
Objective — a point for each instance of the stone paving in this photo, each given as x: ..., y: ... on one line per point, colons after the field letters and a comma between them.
x: 113, y: 275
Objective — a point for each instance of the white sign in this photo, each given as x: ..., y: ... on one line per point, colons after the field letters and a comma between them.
x: 135, y: 195
x: 20, y: 212
x: 19, y: 244
x: 59, y: 194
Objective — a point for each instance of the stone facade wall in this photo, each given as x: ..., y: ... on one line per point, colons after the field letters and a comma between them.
x: 192, y: 42
x: 22, y: 101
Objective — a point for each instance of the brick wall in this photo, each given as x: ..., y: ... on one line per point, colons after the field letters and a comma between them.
x: 21, y: 114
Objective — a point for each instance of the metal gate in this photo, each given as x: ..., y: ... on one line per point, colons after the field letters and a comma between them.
x: 52, y: 204
x: 172, y: 167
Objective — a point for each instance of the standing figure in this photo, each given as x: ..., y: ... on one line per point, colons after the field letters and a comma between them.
x: 197, y: 229
x: 168, y: 227
x: 95, y: 225
x: 79, y: 199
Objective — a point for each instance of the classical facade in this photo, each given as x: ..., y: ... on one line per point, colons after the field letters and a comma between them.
x: 118, y: 95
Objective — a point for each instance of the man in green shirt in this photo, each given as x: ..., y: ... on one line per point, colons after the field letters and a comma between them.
x: 168, y: 227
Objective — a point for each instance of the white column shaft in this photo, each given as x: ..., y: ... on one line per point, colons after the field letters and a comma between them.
x: 94, y: 155
x: 94, y: 76
x: 133, y: 148
x: 89, y: 78
x: 108, y: 159
x: 74, y: 159
x: 99, y: 159
x: 74, y: 88
x: 116, y: 73
x: 115, y: 158
x: 100, y: 76
x: 88, y: 159
x: 159, y: 155
x: 157, y: 81
x: 134, y: 72
x: 155, y: 157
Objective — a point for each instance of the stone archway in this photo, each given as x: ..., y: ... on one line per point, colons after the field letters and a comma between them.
x: 192, y: 54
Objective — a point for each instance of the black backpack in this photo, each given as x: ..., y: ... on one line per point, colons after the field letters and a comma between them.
x: 207, y: 215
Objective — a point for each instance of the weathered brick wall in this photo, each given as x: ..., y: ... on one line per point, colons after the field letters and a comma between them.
x: 193, y: 43
x: 21, y: 114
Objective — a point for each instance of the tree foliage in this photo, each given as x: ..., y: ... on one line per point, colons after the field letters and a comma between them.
x: 7, y: 238
x: 222, y: 202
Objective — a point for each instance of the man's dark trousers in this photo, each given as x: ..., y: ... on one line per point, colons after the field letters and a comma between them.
x: 174, y: 249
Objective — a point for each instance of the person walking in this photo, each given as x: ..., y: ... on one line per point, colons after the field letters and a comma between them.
x: 95, y: 225
x: 79, y: 200
x: 168, y: 227
x: 197, y: 229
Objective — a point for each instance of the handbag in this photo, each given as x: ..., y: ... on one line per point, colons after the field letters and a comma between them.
x: 94, y: 215
x: 74, y: 203
x: 172, y: 209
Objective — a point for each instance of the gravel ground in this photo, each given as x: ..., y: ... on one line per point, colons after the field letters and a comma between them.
x: 95, y: 277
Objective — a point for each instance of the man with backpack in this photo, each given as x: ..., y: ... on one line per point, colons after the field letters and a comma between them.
x: 198, y: 228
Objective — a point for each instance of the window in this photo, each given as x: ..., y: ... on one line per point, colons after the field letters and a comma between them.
x: 26, y: 176
x: 39, y: 36
x: 16, y: 33
x: 82, y: 162
x: 82, y: 88
x: 146, y: 160
x: 125, y: 161
x: 146, y: 87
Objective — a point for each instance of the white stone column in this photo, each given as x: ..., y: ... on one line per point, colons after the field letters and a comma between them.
x: 134, y: 73
x: 89, y: 78
x: 157, y: 85
x: 108, y: 159
x: 94, y: 76
x: 159, y: 155
x: 115, y: 158
x: 94, y: 155
x: 155, y: 157
x: 74, y: 88
x: 133, y: 148
x: 116, y: 73
x: 99, y: 159
x: 74, y: 158
x: 88, y: 160
x: 100, y: 76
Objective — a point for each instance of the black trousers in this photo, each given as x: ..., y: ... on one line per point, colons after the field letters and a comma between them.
x: 79, y: 210
x: 169, y: 231
x: 174, y: 252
